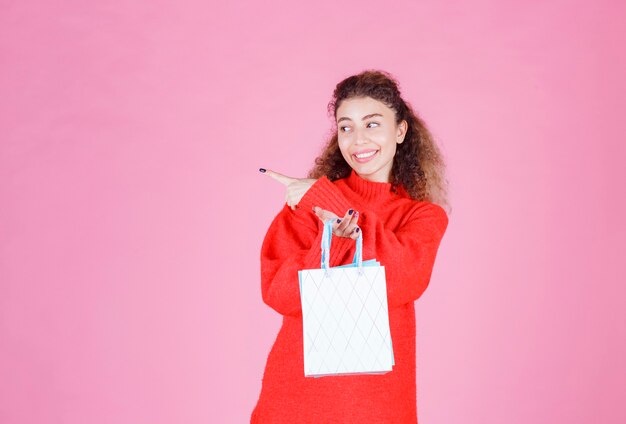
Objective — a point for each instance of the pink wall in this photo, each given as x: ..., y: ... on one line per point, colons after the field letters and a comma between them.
x: 132, y: 212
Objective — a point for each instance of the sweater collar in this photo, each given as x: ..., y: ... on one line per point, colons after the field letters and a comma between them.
x: 372, y: 191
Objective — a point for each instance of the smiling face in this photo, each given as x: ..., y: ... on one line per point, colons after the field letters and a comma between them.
x: 367, y: 128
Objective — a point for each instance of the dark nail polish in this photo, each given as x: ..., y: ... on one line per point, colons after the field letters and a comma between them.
x: 262, y: 169
x: 358, y: 229
x: 338, y: 220
x: 350, y: 212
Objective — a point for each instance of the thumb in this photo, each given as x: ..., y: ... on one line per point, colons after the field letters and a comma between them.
x: 323, y: 214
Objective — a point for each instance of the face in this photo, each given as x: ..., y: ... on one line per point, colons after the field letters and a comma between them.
x: 367, y: 127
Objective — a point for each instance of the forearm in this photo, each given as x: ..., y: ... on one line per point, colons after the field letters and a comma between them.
x: 284, y: 253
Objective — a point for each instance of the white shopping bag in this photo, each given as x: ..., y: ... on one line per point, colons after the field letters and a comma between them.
x: 345, y: 315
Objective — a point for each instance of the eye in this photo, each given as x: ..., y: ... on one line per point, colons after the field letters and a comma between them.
x: 368, y: 125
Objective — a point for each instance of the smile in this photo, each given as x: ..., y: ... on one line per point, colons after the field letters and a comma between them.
x: 365, y: 157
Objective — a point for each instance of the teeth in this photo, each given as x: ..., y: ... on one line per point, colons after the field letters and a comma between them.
x: 366, y: 155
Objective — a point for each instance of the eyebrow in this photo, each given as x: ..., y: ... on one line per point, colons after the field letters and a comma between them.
x: 345, y: 118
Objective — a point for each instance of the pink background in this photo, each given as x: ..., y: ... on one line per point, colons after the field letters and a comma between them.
x: 132, y: 211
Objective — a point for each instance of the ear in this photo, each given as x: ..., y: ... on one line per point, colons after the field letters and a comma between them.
x: 402, y: 128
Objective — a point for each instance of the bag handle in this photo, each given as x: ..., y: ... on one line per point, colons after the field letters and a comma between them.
x: 326, y: 239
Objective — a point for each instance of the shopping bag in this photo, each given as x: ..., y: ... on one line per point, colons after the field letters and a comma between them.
x: 345, y: 318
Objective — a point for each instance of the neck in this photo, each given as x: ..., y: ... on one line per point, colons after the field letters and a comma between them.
x: 375, y: 178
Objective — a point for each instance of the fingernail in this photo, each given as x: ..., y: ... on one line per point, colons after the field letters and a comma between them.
x: 262, y: 169
x: 358, y: 229
x: 350, y: 212
x: 356, y: 213
x: 338, y: 220
x: 313, y: 208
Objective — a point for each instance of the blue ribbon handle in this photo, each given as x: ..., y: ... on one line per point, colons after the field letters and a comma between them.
x: 326, y: 241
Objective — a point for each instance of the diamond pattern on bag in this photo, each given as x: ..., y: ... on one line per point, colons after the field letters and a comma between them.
x: 345, y: 321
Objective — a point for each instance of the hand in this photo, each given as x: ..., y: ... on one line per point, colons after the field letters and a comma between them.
x: 347, y: 227
x: 296, y: 187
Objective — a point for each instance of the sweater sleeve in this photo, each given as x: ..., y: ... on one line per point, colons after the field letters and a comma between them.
x: 326, y: 195
x: 292, y: 243
x: 408, y: 253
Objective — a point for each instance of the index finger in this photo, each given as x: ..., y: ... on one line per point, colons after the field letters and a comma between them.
x: 285, y: 180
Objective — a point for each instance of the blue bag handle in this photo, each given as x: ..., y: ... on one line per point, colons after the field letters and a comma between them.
x: 326, y: 239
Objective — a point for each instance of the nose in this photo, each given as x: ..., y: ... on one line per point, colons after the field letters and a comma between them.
x: 361, y: 138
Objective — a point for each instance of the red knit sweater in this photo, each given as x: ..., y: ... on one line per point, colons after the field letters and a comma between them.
x: 403, y: 235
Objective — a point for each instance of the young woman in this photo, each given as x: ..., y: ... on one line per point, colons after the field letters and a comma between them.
x: 381, y: 174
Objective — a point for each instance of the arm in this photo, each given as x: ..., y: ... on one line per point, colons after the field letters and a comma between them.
x: 293, y: 242
x: 408, y: 253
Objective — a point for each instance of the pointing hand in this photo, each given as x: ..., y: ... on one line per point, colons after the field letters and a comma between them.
x: 296, y: 187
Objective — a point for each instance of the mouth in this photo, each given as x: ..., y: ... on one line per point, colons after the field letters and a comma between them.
x: 366, y: 156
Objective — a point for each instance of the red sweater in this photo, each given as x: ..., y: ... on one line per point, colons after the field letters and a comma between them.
x: 403, y: 235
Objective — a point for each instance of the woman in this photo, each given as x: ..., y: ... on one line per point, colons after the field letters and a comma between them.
x: 382, y: 174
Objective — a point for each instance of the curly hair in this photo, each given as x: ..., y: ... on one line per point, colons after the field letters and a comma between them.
x: 418, y: 164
